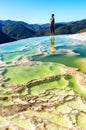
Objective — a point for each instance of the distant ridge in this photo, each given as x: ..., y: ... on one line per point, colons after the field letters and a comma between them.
x: 15, y: 30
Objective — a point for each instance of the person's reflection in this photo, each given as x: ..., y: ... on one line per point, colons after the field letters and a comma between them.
x: 52, y: 44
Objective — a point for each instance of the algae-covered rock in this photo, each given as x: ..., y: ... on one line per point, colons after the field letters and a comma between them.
x: 53, y: 101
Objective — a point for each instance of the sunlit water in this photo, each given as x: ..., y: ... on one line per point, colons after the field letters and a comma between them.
x: 53, y: 49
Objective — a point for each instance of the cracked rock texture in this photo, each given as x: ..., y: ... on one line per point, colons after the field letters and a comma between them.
x: 53, y: 109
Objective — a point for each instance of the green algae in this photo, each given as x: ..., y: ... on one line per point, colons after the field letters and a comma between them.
x: 74, y: 84
x: 51, y: 117
x: 6, y: 103
x: 81, y: 120
x: 63, y: 108
x: 68, y: 60
x: 23, y: 74
x: 23, y: 123
x: 77, y: 104
x: 41, y: 88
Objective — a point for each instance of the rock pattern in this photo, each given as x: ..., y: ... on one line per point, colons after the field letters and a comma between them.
x: 57, y: 108
x: 54, y: 109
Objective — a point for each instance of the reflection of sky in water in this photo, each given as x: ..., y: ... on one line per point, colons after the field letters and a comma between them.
x: 42, y: 43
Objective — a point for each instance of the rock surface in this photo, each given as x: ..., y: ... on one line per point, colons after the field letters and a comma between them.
x: 79, y: 36
x: 56, y: 108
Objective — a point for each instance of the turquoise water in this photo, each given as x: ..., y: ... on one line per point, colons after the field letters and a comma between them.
x: 57, y: 49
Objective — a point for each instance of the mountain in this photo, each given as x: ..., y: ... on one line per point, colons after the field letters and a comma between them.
x: 83, y: 30
x: 15, y: 30
x: 18, y: 31
x: 5, y: 38
x: 68, y: 28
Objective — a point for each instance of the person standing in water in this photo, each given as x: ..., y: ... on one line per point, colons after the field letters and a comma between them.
x: 52, y: 25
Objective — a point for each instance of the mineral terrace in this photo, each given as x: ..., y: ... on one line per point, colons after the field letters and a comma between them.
x: 57, y: 108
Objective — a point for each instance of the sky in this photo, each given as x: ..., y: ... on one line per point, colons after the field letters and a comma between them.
x: 39, y: 11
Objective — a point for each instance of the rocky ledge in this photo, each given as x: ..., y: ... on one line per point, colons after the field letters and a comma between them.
x: 54, y: 109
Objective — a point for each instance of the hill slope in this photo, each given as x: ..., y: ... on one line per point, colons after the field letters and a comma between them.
x: 5, y: 38
x: 15, y: 30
